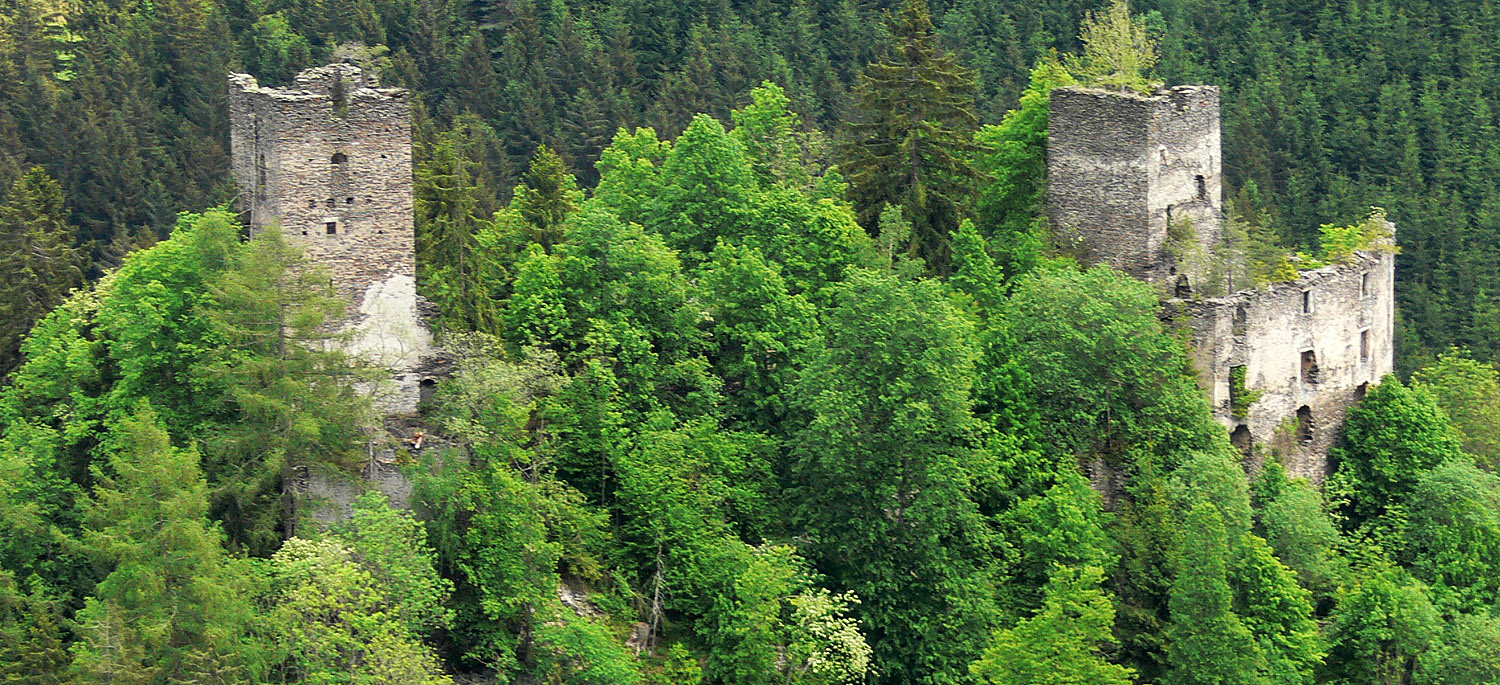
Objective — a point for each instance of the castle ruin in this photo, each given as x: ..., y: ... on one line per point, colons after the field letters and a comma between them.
x: 1135, y: 182
x: 328, y: 159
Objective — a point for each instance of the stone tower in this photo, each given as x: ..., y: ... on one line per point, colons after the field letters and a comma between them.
x: 1124, y: 168
x: 1136, y: 181
x: 329, y: 160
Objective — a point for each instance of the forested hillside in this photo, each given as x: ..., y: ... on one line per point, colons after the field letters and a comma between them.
x: 767, y: 367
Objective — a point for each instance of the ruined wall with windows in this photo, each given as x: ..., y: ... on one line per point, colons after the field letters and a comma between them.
x: 1135, y: 182
x: 1282, y: 365
x: 328, y: 159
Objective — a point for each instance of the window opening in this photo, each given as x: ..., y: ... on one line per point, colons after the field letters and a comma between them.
x: 340, y: 158
x: 348, y: 200
x: 332, y: 227
x: 1309, y: 367
x: 1304, y: 425
x: 426, y: 390
x: 1202, y: 187
x: 1241, y: 439
x: 1307, y: 301
x: 1364, y: 285
x: 1364, y: 346
x: 1184, y: 288
x: 1361, y: 391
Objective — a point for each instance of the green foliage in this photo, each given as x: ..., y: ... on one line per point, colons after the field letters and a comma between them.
x: 1299, y: 530
x: 1339, y: 244
x: 1118, y: 51
x: 1063, y: 642
x: 1206, y: 641
x: 884, y: 474
x: 335, y: 622
x: 1062, y: 527
x: 547, y: 196
x: 1106, y: 377
x: 1010, y: 205
x: 173, y: 608
x: 1240, y: 397
x: 1383, y: 623
x: 1390, y: 439
x: 293, y: 394
x: 772, y: 135
x: 1452, y: 534
x: 392, y: 546
x: 1469, y: 652
x: 914, y: 139
x: 1469, y: 393
x: 455, y: 268
x: 38, y: 264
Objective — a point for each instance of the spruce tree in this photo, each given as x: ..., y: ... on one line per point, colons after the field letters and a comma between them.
x: 174, y: 608
x: 38, y: 263
x: 913, y: 139
x: 547, y: 195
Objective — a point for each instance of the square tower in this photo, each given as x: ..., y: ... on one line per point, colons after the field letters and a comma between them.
x: 1125, y: 171
x: 328, y: 158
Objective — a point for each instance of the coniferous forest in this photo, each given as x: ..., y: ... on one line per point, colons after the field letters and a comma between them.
x: 766, y: 364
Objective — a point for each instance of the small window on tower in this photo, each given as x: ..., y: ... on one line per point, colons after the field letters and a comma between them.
x: 340, y: 158
x: 1364, y: 346
x: 1202, y: 187
x: 1309, y: 366
x: 1307, y: 301
x: 348, y: 200
x: 331, y: 227
x: 1364, y: 284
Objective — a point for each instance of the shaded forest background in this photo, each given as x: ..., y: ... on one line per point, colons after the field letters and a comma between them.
x: 791, y: 384
x: 1328, y: 107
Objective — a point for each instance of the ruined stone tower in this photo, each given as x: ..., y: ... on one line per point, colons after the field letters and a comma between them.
x: 1124, y: 170
x: 1136, y: 180
x: 329, y: 160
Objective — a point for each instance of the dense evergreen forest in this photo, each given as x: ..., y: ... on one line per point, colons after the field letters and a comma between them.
x: 767, y: 366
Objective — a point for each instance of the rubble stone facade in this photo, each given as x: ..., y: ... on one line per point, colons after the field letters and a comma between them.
x: 1281, y: 365
x: 328, y: 158
x: 1122, y: 168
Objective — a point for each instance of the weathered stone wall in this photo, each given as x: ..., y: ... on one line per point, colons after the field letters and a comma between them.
x: 1123, y: 167
x: 1348, y: 329
x: 329, y: 160
x: 1127, y: 174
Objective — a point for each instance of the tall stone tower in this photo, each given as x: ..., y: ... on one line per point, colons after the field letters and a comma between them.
x: 1135, y: 179
x: 1125, y: 170
x: 329, y: 160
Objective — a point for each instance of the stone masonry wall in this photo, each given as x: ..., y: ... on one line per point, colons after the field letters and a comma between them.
x: 1348, y: 330
x: 1123, y: 167
x: 1126, y: 175
x: 329, y: 160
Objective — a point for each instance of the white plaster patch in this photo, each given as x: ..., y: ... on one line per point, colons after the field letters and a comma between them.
x: 388, y: 332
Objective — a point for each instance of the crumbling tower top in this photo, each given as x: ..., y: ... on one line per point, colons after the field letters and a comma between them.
x: 1124, y: 168
x: 329, y: 159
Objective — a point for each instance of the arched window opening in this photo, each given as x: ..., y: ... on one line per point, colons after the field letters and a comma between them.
x: 426, y: 390
x: 1241, y: 440
x: 1304, y: 425
x: 340, y: 158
